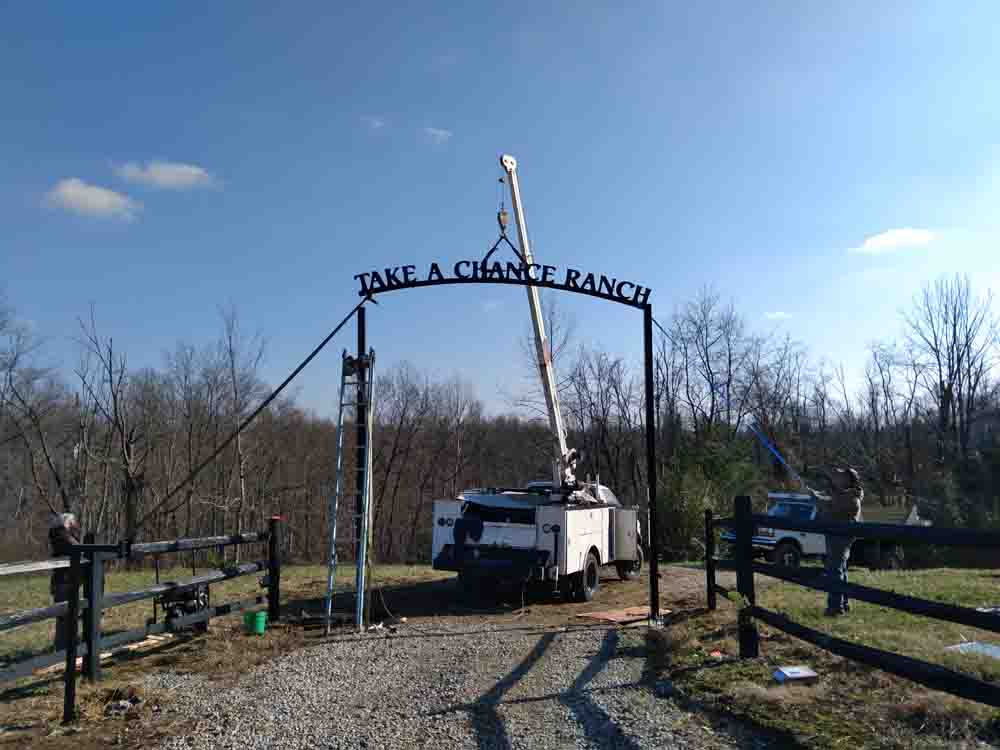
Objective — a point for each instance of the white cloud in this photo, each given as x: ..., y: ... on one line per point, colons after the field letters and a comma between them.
x: 165, y: 174
x: 438, y: 135
x: 777, y: 315
x: 373, y: 123
x: 894, y: 239
x: 77, y: 196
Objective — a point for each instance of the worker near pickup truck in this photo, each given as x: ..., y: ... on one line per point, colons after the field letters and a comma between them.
x: 64, y: 531
x: 842, y: 506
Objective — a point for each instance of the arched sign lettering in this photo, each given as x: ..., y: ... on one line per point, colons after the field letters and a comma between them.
x: 601, y: 286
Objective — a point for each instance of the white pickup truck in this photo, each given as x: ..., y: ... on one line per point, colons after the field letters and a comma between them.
x: 790, y: 547
x: 492, y: 537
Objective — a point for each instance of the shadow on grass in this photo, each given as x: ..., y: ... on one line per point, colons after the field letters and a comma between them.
x: 743, y: 729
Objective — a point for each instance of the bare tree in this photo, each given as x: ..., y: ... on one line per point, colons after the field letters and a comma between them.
x: 952, y: 332
x: 105, y: 380
x: 243, y: 357
x: 560, y: 329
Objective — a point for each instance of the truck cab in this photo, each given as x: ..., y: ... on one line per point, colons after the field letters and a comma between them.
x: 786, y: 547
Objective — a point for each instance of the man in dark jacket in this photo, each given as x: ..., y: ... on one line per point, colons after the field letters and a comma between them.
x: 844, y: 507
x: 64, y: 532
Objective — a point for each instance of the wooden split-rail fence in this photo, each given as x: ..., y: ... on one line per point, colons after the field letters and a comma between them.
x: 86, y: 563
x: 743, y: 524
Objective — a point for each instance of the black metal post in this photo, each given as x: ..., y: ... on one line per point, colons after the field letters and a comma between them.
x: 710, y: 559
x: 654, y: 540
x: 72, y: 635
x: 361, y: 426
x: 274, y: 569
x: 749, y: 642
x: 94, y: 590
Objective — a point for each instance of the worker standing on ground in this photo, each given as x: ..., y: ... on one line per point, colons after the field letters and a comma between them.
x: 64, y: 531
x: 843, y: 506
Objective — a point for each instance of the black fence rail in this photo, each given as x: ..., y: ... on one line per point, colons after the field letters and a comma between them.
x: 930, y: 675
x: 86, y: 564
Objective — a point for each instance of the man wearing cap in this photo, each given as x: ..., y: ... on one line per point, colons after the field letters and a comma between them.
x: 844, y: 506
x: 64, y: 531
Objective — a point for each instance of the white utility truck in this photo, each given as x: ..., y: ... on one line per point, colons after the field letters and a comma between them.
x: 557, y: 532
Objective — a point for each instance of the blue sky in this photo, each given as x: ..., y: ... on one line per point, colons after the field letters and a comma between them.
x: 815, y: 162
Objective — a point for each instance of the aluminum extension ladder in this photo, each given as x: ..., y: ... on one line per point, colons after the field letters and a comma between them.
x: 349, y: 386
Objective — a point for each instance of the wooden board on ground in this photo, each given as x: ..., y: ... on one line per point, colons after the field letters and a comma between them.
x: 151, y: 641
x: 620, y: 616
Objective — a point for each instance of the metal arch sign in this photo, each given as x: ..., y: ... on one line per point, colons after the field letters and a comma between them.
x: 522, y: 274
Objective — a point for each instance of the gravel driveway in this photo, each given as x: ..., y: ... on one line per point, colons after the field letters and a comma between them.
x: 449, y: 686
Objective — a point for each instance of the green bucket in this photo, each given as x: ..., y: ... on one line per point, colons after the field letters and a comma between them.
x: 255, y: 622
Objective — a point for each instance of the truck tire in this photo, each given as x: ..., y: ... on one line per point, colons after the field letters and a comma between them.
x: 630, y: 570
x: 588, y: 580
x: 787, y: 554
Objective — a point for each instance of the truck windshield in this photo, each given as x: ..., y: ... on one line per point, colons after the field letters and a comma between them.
x: 795, y: 511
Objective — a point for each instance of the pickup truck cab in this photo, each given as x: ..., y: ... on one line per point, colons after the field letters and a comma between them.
x: 791, y: 547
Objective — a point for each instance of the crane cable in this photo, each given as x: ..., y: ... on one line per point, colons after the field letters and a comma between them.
x: 246, y: 422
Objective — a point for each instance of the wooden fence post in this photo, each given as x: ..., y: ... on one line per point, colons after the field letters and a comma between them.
x: 93, y: 592
x: 749, y: 642
x: 73, y: 629
x: 274, y: 569
x: 710, y: 560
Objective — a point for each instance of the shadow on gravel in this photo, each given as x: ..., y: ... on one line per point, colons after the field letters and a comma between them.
x: 416, y: 600
x: 595, y: 721
x: 443, y: 598
x: 489, y: 727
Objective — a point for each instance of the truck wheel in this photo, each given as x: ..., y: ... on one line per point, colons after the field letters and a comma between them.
x: 589, y: 581
x: 787, y: 554
x: 629, y: 571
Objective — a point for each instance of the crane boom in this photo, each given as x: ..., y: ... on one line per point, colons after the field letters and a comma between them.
x: 543, y: 351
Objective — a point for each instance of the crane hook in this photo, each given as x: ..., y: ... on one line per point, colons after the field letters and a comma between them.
x: 502, y: 218
x: 502, y: 215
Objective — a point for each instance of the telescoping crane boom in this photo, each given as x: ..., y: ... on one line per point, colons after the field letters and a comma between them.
x: 563, y: 464
x: 499, y: 536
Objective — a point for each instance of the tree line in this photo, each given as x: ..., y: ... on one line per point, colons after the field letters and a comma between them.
x: 111, y: 442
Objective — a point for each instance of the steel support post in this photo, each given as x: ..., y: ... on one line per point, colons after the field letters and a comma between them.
x: 654, y: 538
x: 361, y: 459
